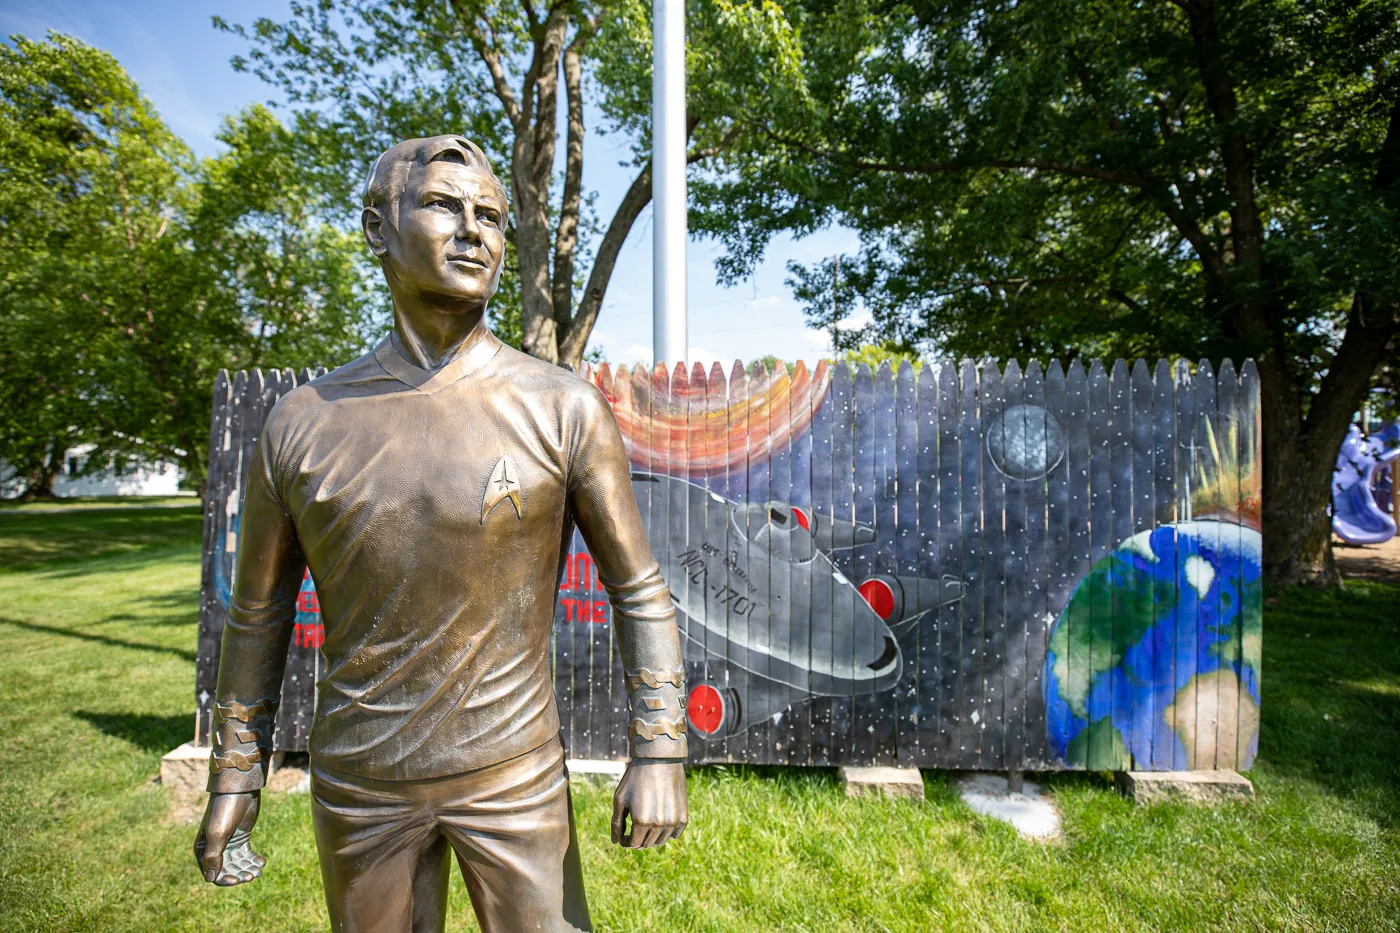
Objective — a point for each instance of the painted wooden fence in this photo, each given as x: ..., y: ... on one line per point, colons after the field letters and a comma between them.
x: 965, y: 566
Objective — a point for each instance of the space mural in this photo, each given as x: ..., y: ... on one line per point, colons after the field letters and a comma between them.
x: 962, y: 566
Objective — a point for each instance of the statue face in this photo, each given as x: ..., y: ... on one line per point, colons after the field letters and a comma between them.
x: 450, y: 237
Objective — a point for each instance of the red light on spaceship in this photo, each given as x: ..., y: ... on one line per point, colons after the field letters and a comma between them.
x: 880, y: 597
x: 705, y: 709
x: 802, y: 518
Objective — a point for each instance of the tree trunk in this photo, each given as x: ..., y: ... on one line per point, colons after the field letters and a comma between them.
x: 1299, y: 452
x: 1297, y: 490
x: 38, y: 482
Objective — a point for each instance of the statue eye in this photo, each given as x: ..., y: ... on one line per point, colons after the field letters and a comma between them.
x: 446, y: 204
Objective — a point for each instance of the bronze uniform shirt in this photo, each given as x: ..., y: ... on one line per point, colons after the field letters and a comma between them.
x: 400, y: 488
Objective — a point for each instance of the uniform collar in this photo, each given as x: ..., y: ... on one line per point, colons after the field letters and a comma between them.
x: 472, y: 357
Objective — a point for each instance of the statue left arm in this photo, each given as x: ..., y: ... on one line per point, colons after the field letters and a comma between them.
x: 652, y: 791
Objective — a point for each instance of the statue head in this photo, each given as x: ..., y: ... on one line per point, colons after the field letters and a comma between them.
x: 435, y: 215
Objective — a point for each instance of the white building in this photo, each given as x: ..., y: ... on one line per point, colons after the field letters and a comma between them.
x: 128, y: 478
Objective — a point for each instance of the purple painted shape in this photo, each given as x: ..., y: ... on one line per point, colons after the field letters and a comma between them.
x: 1357, y: 517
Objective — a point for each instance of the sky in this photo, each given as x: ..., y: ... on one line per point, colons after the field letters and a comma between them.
x: 182, y: 64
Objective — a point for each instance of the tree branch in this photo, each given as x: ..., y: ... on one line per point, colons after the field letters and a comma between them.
x: 491, y: 56
x: 545, y: 70
x: 566, y: 239
x: 637, y: 197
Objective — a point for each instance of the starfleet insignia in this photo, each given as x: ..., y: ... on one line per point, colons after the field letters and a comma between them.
x: 503, y: 484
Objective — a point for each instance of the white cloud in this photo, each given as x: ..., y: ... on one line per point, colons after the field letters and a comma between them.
x: 862, y: 318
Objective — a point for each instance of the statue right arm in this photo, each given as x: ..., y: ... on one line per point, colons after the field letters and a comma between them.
x: 261, y: 614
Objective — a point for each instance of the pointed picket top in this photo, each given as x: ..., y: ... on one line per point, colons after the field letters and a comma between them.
x: 1012, y: 370
x: 604, y: 382
x: 716, y: 375
x: 1227, y: 372
x: 621, y: 397
x: 1140, y: 370
x: 1033, y: 370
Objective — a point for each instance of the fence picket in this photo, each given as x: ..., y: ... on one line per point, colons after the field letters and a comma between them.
x: 886, y: 703
x: 991, y: 728
x: 950, y: 535
x: 1144, y: 519
x: 842, y: 597
x: 1015, y: 598
x: 909, y: 709
x: 1164, y: 588
x: 1038, y: 451
x: 970, y: 714
x: 802, y: 622
x: 926, y: 560
x: 1229, y: 576
x: 1059, y: 555
x: 820, y: 707
x: 1100, y: 751
x: 779, y: 566
x: 1184, y: 700
x: 1250, y: 499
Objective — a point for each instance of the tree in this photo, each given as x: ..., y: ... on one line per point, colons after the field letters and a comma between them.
x: 1196, y: 177
x: 130, y: 273
x: 364, y: 74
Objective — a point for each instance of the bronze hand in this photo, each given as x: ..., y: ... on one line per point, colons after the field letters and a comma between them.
x: 652, y: 792
x: 222, y: 848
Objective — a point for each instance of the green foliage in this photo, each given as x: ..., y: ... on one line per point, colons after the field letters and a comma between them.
x: 1048, y: 178
x: 890, y: 351
x: 130, y: 273
x: 363, y: 74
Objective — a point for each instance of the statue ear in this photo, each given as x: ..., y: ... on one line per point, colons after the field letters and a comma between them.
x: 372, y: 222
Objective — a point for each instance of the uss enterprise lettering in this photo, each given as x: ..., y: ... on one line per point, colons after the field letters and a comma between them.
x: 694, y: 565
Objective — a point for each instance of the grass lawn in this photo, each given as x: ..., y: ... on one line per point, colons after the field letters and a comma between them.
x: 97, y: 638
x: 74, y: 503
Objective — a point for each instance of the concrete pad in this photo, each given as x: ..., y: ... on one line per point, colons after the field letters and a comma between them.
x: 1031, y: 812
x: 185, y: 771
x: 905, y: 783
x: 1205, y: 787
x: 595, y: 769
x: 289, y: 779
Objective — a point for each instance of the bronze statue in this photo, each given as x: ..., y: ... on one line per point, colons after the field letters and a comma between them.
x: 432, y: 487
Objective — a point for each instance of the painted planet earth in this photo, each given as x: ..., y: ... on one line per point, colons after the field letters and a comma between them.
x: 1154, y: 662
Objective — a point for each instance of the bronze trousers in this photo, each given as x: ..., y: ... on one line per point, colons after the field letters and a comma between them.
x: 384, y: 848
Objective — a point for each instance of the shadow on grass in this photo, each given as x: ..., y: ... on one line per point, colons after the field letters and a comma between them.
x: 98, y: 639
x: 151, y: 733
x: 1331, y: 704
x: 34, y: 540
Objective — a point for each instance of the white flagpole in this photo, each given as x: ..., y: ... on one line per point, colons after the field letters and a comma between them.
x: 668, y: 340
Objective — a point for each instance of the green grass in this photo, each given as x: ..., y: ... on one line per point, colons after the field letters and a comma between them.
x: 97, y: 637
x: 74, y: 503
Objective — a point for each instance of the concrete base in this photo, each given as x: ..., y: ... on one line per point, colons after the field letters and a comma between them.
x: 1027, y: 809
x: 1206, y: 787
x: 184, y: 772
x: 905, y: 783
x: 595, y: 769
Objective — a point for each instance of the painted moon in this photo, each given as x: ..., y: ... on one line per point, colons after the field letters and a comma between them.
x: 1026, y: 442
